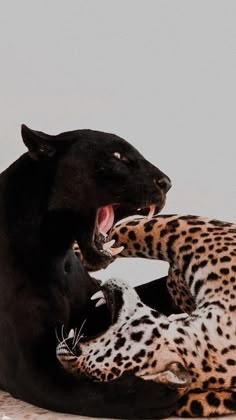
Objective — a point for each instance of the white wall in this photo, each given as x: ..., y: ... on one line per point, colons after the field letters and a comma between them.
x: 160, y: 73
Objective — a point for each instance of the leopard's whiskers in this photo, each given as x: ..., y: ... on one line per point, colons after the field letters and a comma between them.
x: 74, y: 338
x: 79, y: 335
x: 63, y: 340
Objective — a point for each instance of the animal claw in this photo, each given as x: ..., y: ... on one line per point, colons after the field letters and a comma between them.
x: 116, y: 251
x: 107, y: 246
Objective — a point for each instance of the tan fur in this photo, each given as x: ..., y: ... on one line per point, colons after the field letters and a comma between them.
x: 202, y: 280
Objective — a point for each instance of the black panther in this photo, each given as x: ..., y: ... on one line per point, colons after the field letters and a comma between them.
x: 65, y: 188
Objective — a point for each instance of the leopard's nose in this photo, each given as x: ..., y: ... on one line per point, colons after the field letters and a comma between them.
x: 163, y: 183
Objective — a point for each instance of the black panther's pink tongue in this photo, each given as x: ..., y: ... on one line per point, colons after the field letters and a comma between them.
x: 105, y: 221
x: 105, y: 218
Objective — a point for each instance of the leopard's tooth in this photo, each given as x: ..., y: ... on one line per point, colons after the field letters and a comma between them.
x: 108, y: 245
x: 71, y: 333
x: 116, y: 251
x: 98, y: 295
x: 151, y: 211
x: 101, y: 302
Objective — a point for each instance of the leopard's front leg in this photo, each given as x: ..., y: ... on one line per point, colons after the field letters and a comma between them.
x: 179, y: 291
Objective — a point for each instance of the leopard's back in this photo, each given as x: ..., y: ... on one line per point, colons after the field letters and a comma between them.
x: 201, y: 253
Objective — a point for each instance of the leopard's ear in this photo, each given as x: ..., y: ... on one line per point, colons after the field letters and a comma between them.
x: 175, y: 375
x: 39, y: 144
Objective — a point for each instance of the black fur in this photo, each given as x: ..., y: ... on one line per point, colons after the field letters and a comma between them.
x: 49, y: 198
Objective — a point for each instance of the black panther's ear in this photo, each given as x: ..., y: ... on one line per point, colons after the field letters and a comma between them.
x: 175, y: 376
x: 40, y: 145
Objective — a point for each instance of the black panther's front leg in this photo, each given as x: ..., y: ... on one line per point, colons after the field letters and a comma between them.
x: 127, y: 397
x: 156, y: 295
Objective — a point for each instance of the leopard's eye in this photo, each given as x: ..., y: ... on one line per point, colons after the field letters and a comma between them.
x: 119, y: 156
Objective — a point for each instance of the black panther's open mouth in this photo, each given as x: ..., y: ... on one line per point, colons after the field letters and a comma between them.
x: 106, y: 218
x: 109, y: 215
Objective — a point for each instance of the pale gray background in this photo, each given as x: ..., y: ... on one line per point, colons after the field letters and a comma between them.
x: 159, y: 73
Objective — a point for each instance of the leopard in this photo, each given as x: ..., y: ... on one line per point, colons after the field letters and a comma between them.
x: 194, y: 351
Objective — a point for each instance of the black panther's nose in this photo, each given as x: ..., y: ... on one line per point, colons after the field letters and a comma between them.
x: 163, y: 183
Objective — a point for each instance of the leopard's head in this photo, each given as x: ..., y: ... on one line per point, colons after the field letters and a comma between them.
x: 132, y: 342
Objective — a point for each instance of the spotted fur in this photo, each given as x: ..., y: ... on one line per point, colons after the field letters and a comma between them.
x: 196, y: 351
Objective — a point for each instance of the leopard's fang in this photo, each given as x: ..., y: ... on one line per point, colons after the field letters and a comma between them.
x: 98, y: 295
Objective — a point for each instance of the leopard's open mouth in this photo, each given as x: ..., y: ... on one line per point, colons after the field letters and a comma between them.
x: 107, y: 302
x: 113, y: 300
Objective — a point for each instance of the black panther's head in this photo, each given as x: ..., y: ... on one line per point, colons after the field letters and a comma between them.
x: 99, y: 175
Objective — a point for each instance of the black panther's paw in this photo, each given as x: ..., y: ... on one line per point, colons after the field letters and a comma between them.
x: 141, y: 399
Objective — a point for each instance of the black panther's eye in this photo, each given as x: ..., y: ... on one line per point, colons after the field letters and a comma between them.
x: 119, y: 156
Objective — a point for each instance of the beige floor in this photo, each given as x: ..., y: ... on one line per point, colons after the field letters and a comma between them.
x: 11, y: 409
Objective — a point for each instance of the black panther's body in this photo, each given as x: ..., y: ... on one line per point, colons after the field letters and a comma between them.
x: 48, y: 198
